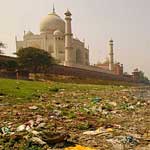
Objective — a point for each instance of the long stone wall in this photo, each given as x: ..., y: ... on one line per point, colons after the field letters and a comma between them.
x: 81, y: 72
x: 93, y: 68
x: 6, y: 58
x: 85, y: 73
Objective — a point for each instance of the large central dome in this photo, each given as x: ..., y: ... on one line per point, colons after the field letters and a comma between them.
x: 51, y: 23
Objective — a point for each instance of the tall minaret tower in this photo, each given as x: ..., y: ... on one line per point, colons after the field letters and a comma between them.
x: 69, y: 53
x: 111, y: 56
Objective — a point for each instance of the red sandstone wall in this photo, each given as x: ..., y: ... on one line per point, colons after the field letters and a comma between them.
x: 6, y: 58
x: 69, y: 71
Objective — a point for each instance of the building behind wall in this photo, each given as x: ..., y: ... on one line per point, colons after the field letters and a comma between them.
x: 109, y: 64
x: 56, y: 37
x: 136, y: 74
x: 52, y: 39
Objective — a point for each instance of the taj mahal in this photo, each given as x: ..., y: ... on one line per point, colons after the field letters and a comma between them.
x: 56, y: 37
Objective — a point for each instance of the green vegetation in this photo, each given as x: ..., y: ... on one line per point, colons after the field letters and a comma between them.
x: 24, y: 91
x: 144, y: 78
x: 9, y: 65
x: 83, y: 126
x: 2, y: 45
x: 34, y: 59
x: 108, y: 107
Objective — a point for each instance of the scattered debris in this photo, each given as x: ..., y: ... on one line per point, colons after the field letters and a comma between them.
x: 98, y: 131
x: 33, y: 107
x: 96, y: 100
x: 79, y: 147
x: 21, y: 128
x: 130, y: 140
x: 54, y: 137
x: 74, y: 120
x: 5, y: 130
x: 37, y: 140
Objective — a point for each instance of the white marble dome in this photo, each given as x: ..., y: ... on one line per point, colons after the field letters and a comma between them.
x: 52, y: 22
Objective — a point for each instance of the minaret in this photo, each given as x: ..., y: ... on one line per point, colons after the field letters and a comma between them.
x: 69, y: 54
x: 111, y: 56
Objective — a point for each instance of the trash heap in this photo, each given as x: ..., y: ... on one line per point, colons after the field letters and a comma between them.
x: 89, y: 119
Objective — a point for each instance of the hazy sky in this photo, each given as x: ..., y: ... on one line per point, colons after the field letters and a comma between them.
x: 126, y: 21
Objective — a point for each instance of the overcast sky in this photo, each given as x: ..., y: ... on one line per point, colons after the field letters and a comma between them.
x: 125, y: 21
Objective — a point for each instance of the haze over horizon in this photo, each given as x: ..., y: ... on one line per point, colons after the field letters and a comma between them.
x: 96, y: 21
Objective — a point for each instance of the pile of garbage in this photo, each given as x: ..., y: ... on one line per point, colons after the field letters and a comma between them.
x: 79, y: 120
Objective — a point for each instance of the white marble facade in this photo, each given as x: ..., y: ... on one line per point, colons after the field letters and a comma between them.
x: 52, y: 39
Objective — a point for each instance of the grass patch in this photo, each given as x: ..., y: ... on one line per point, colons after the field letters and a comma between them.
x: 83, y: 126
x: 54, y: 89
x: 19, y: 91
x: 25, y: 90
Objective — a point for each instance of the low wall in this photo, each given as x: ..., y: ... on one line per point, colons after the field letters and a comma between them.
x: 92, y: 68
x: 13, y: 75
x: 84, y: 73
x: 6, y: 58
x: 76, y: 71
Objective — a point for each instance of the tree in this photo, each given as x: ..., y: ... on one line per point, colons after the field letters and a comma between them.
x: 2, y: 45
x: 34, y: 59
x: 11, y: 65
x: 2, y: 64
x: 143, y: 78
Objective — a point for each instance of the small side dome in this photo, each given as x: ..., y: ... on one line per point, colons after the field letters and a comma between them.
x: 29, y: 33
x: 57, y: 33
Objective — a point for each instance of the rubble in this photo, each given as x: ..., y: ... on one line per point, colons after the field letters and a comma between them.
x: 38, y: 141
x: 98, y: 131
x: 33, y: 107
x: 21, y: 128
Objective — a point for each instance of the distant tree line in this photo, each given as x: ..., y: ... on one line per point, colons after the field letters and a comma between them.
x: 143, y: 78
x: 2, y: 45
x: 9, y: 64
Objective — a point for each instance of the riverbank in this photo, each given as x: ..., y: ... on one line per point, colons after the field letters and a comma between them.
x: 52, y: 115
